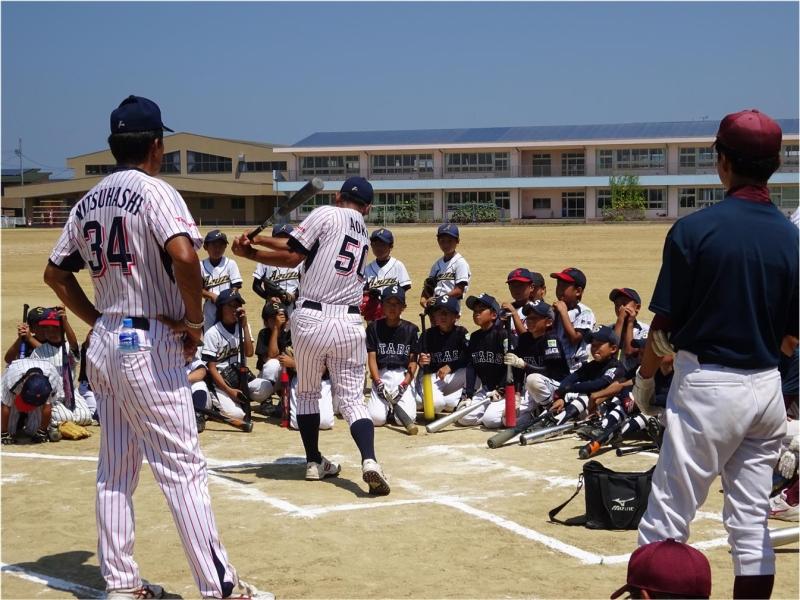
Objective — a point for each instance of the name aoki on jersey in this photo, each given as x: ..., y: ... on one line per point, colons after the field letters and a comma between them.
x: 118, y: 197
x: 358, y: 228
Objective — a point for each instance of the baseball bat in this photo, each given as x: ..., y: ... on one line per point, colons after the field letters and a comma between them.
x: 66, y: 372
x: 634, y: 449
x: 23, y: 347
x: 406, y: 420
x: 244, y: 390
x: 285, y: 405
x: 243, y: 425
x: 427, y: 383
x: 542, y: 435
x: 594, y: 446
x: 454, y: 416
x: 510, y: 391
x: 305, y: 193
x: 783, y: 536
x: 501, y: 437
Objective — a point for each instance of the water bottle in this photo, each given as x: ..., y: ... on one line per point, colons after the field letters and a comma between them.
x: 128, y: 338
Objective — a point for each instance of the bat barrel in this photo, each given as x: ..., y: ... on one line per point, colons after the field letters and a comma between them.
x: 635, y: 449
x: 440, y: 424
x: 541, y: 435
x: 501, y: 437
x: 783, y: 536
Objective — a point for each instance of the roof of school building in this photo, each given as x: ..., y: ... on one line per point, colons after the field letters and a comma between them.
x: 541, y: 133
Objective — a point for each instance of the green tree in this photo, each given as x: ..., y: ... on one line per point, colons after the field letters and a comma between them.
x: 628, y: 199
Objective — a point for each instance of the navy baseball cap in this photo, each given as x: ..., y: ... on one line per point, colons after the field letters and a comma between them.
x: 520, y: 274
x: 284, y: 229
x: 447, y: 303
x: 603, y: 334
x: 750, y: 134
x: 137, y: 114
x: 543, y: 309
x: 393, y: 291
x: 537, y: 279
x: 358, y: 188
x: 383, y: 235
x: 629, y: 293
x: 271, y: 309
x: 484, y: 299
x: 448, y: 229
x: 228, y: 296
x: 215, y: 235
x: 571, y: 275
x: 35, y: 391
x: 44, y: 317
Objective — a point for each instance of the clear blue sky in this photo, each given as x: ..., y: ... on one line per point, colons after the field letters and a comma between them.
x: 278, y: 72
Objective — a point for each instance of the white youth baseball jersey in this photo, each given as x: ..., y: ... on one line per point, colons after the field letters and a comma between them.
x: 110, y: 230
x: 16, y: 371
x: 449, y: 273
x: 392, y: 273
x: 581, y: 317
x: 640, y: 331
x: 286, y: 278
x: 337, y: 243
x: 221, y: 345
x: 216, y: 279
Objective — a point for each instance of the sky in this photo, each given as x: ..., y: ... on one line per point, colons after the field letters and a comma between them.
x: 277, y: 72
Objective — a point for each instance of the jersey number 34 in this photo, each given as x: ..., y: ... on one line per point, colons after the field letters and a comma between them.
x: 346, y: 260
x: 115, y: 252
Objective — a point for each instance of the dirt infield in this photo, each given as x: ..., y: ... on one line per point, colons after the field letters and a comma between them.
x: 463, y: 521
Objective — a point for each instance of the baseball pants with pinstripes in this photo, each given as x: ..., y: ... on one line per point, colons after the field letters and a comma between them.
x: 335, y: 339
x: 146, y: 410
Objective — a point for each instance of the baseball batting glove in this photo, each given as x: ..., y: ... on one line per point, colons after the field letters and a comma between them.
x: 387, y: 395
x: 401, y: 390
x: 465, y: 401
x: 513, y: 360
x: 661, y: 345
x: 380, y: 388
x: 642, y: 392
x: 787, y: 465
x: 496, y: 396
x: 7, y: 439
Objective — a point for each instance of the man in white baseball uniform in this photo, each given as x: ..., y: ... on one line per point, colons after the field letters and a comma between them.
x: 326, y: 327
x: 139, y: 241
x: 726, y: 296
x: 219, y: 273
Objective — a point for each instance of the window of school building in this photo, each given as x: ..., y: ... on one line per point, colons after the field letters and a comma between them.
x: 456, y: 200
x: 385, y: 164
x: 318, y: 200
x: 655, y: 198
x: 402, y: 207
x: 630, y: 159
x: 476, y: 162
x: 263, y: 166
x: 198, y: 162
x: 572, y: 164
x: 691, y: 199
x: 329, y: 165
x: 691, y: 160
x: 573, y: 205
x: 790, y: 155
x: 784, y: 196
x: 171, y: 162
x: 541, y: 166
x: 99, y: 169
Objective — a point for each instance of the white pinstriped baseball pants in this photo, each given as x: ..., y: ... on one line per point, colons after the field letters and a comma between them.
x: 335, y: 339
x: 719, y: 421
x: 146, y: 410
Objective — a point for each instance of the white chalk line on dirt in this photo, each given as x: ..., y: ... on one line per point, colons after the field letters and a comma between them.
x: 458, y: 503
x: 56, y: 583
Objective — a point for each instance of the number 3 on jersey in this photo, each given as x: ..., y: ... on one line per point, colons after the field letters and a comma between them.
x: 116, y: 252
x: 346, y: 260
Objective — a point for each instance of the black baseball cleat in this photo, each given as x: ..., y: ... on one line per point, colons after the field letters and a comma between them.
x: 201, y: 423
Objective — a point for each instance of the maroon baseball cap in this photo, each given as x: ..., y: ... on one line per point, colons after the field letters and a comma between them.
x: 750, y: 134
x: 571, y: 275
x: 521, y: 274
x: 668, y: 567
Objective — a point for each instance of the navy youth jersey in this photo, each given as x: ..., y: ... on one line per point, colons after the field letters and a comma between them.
x: 393, y: 346
x: 543, y: 355
x: 592, y: 377
x: 445, y: 348
x: 485, y: 351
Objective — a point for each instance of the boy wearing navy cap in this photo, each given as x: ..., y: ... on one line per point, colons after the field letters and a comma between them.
x: 383, y: 272
x: 29, y: 386
x: 392, y: 358
x: 631, y: 331
x: 573, y: 318
x: 450, y: 275
x: 219, y: 273
x: 445, y: 355
x: 277, y: 284
x: 485, y: 369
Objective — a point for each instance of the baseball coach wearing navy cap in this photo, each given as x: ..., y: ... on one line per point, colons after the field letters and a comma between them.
x: 725, y: 298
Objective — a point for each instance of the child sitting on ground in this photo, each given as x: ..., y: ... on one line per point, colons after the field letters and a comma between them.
x: 573, y: 318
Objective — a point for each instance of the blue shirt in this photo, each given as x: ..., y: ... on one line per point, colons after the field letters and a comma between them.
x: 728, y: 283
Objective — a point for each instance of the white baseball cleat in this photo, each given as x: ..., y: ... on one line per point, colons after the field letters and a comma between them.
x: 142, y: 592
x: 375, y: 478
x: 247, y: 591
x: 319, y: 471
x: 782, y: 510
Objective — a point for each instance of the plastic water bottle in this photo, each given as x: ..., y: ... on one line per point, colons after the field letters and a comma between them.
x: 128, y: 338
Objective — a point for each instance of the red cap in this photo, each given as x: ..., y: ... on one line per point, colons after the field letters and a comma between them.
x: 750, y: 134
x: 571, y: 275
x: 668, y: 567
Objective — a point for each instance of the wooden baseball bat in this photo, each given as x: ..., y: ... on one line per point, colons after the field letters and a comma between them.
x: 301, y: 196
x: 427, y: 382
x: 242, y: 425
x: 244, y: 390
x: 454, y: 416
x: 23, y: 347
x: 510, y: 391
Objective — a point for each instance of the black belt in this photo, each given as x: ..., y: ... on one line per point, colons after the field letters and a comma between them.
x: 142, y: 323
x: 353, y: 310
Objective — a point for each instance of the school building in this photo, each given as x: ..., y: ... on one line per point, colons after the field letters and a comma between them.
x: 547, y: 172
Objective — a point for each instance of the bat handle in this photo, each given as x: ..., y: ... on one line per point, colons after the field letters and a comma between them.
x: 252, y: 235
x: 23, y: 348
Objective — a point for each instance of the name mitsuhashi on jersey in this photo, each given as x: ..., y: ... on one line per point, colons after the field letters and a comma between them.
x: 117, y: 197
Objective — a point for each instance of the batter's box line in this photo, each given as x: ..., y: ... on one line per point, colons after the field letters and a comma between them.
x: 81, y: 591
x: 285, y: 506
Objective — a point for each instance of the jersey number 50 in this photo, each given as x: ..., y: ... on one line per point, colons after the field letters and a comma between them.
x: 347, y: 257
x: 116, y: 251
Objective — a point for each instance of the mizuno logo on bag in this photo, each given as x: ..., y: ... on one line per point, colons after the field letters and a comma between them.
x: 620, y: 504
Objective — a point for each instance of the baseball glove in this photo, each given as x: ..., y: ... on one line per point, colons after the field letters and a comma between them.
x: 428, y: 286
x: 370, y: 307
x: 230, y: 375
x: 73, y: 431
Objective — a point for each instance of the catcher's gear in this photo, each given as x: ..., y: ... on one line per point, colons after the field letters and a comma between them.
x: 660, y: 342
x: 72, y: 431
x: 40, y: 437
x: 428, y: 286
x: 642, y: 392
x: 513, y: 360
x: 787, y: 465
x: 7, y: 439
